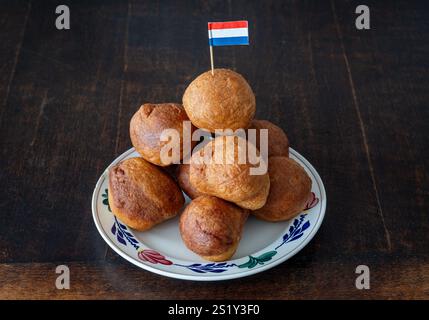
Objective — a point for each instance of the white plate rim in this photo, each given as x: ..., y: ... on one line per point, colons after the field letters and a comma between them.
x: 211, y: 277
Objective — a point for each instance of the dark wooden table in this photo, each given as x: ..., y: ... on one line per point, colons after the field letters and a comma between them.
x: 355, y: 103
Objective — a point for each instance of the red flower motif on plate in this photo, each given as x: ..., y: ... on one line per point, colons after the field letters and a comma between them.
x: 153, y: 256
x: 311, y: 202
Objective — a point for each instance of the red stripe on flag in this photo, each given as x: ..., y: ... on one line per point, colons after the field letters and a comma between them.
x: 227, y: 25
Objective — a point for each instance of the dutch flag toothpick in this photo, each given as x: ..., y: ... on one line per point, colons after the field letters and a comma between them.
x: 229, y: 33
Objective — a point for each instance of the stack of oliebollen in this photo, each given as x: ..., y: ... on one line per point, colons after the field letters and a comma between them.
x: 147, y: 190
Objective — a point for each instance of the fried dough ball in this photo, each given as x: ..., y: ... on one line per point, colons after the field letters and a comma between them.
x: 290, y: 190
x: 278, y: 143
x: 212, y: 227
x: 223, y: 100
x: 142, y: 195
x: 147, y: 125
x: 228, y: 174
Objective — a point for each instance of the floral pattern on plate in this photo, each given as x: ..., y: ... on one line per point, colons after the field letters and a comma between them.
x: 275, y: 244
x: 296, y: 231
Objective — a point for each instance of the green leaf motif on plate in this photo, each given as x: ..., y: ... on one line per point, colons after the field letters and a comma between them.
x: 254, y: 261
x: 106, y: 199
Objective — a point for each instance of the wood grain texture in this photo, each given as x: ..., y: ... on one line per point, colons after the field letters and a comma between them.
x: 392, y: 279
x: 354, y: 103
x: 388, y: 68
x: 15, y: 21
x: 58, y: 132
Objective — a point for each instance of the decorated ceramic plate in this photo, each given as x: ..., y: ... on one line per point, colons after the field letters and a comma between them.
x: 161, y: 250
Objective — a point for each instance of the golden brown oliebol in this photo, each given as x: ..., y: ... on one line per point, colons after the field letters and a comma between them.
x: 212, y: 227
x: 226, y: 177
x: 147, y: 125
x: 290, y: 190
x: 278, y: 143
x: 142, y: 195
x: 223, y: 100
x: 182, y: 176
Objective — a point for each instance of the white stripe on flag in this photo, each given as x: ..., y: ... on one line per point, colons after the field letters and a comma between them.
x: 227, y: 33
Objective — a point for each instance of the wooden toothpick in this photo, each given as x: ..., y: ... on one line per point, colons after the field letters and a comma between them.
x: 211, y: 59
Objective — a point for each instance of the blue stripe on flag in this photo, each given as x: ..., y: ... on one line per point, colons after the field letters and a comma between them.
x: 231, y: 41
